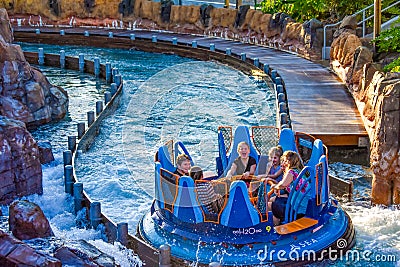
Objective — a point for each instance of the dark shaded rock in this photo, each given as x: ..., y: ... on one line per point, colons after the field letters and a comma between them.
x: 89, y: 5
x: 82, y: 253
x: 241, y: 15
x: 310, y: 28
x: 348, y: 25
x: 27, y: 221
x: 349, y: 22
x: 280, y: 20
x: 45, y: 152
x: 205, y: 14
x: 126, y: 7
x: 15, y: 253
x: 5, y: 27
x: 166, y: 10
x: 20, y: 169
x: 55, y: 7
x: 362, y: 56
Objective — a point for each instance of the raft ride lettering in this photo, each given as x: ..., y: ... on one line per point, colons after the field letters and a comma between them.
x: 246, y: 231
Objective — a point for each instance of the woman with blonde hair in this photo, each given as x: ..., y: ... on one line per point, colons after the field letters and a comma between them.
x: 244, y: 164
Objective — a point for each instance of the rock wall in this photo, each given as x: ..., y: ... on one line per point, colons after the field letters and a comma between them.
x: 20, y: 169
x: 27, y: 99
x: 377, y: 96
x: 25, y: 93
x: 245, y: 24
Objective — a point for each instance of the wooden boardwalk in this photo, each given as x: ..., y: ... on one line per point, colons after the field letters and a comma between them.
x: 319, y: 103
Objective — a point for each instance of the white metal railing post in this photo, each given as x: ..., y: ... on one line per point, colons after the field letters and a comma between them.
x: 363, y: 28
x: 324, y: 46
x: 363, y: 22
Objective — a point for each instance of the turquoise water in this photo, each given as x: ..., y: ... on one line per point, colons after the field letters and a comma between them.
x: 169, y: 97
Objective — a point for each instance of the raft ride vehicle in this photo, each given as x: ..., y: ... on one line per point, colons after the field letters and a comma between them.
x: 242, y: 233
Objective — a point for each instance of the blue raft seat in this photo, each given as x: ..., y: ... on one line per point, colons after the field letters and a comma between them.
x: 165, y: 159
x: 287, y: 140
x: 239, y: 212
x: 186, y: 207
x: 316, y: 153
x: 262, y: 165
x: 241, y: 134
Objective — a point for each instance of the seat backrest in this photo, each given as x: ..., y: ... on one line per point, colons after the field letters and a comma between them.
x: 241, y: 134
x: 165, y: 159
x: 157, y: 184
x: 287, y: 140
x: 299, y: 194
x: 186, y: 207
x: 239, y: 211
x: 316, y: 153
x: 222, y: 150
x: 165, y: 187
x: 180, y: 148
x: 324, y: 184
x: 262, y: 165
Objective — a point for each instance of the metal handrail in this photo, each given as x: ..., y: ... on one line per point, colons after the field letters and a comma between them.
x: 363, y: 22
x: 370, y: 17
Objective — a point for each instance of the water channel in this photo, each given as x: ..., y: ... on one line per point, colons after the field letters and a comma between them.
x: 169, y: 97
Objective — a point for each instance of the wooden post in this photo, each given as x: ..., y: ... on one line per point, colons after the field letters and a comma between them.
x: 71, y: 142
x: 377, y: 20
x: 78, y: 196
x: 164, y: 256
x: 81, y: 129
x: 81, y: 62
x: 62, y: 59
x: 107, y: 97
x: 377, y: 17
x: 226, y: 4
x: 95, y: 214
x: 68, y: 179
x: 90, y: 117
x: 99, y: 107
x: 97, y: 66
x: 67, y: 157
x: 122, y: 233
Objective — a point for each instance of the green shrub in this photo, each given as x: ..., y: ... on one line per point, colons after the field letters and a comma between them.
x: 394, y: 66
x: 388, y: 40
x: 325, y: 10
x: 302, y: 10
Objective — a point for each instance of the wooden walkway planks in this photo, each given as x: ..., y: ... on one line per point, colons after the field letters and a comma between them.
x: 319, y: 103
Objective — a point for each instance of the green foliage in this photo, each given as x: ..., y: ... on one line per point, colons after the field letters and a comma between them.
x: 388, y: 40
x: 338, y: 9
x: 302, y: 10
x: 330, y: 10
x: 394, y: 66
x: 299, y: 10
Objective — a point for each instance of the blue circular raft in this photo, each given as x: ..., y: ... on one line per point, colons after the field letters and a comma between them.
x: 256, y: 245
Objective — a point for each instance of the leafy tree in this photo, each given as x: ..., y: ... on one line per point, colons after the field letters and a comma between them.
x: 328, y: 10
